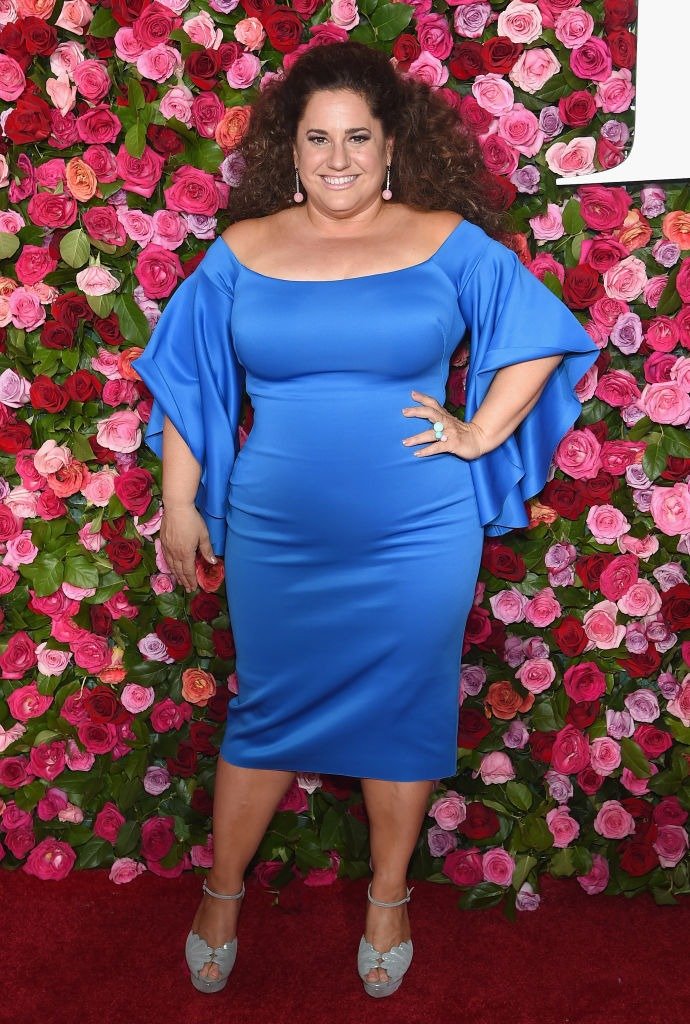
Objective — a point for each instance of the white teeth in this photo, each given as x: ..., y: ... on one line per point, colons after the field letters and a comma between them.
x: 339, y: 181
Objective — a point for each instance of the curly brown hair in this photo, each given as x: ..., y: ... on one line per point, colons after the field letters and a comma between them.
x: 437, y: 163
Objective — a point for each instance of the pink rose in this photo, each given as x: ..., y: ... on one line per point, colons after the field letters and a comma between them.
x: 618, y: 388
x: 496, y: 768
x: 124, y: 870
x: 51, y: 860
x: 92, y: 79
x: 464, y: 867
x: 26, y: 702
x: 536, y: 674
x: 108, y: 822
x: 498, y: 866
x: 671, y: 844
x: 606, y: 523
x: 499, y: 157
x: 562, y: 827
x: 670, y: 509
x: 250, y: 33
x: 433, y: 34
x: 640, y: 600
x: 428, y: 69
x: 618, y: 576
x: 570, y: 752
x: 136, y: 698
x: 666, y: 403
x: 544, y: 263
x: 597, y: 878
x: 120, y: 432
x: 543, y: 608
x: 243, y: 72
x: 520, y: 22
x: 548, y: 226
x: 574, y: 27
x: 615, y: 94
x: 47, y: 760
x: 140, y: 174
x: 626, y: 280
x: 159, y: 63
x: 599, y: 624
x: 574, y: 157
x: 605, y: 755
x: 613, y: 821
x: 579, y: 454
x: 493, y: 93
x: 533, y: 69
x: 449, y: 810
x: 592, y: 60
x: 92, y: 653
x: 584, y: 681
x: 157, y: 270
x: 508, y: 605
x: 25, y: 309
x: 12, y: 78
x: 96, y: 280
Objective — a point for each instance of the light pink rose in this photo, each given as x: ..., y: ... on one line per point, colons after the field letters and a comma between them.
x: 526, y: 898
x: 638, y: 787
x: 640, y: 600
x: 496, y: 768
x: 12, y: 78
x: 626, y: 280
x: 520, y: 128
x: 574, y: 157
x: 120, y: 432
x: 498, y: 866
x: 605, y: 755
x: 62, y: 93
x: 615, y: 94
x: 75, y: 16
x: 96, y: 281
x: 51, y: 662
x: 642, y: 547
x: 493, y: 93
x: 548, y: 226
x: 92, y: 79
x: 670, y: 508
x: 20, y: 550
x: 100, y: 487
x: 177, y: 103
x: 543, y: 608
x: 428, y: 69
x: 25, y: 309
x: 250, y: 33
x: 666, y: 402
x: 159, y: 63
x: 599, y: 624
x: 574, y: 27
x: 680, y: 373
x: 562, y: 827
x: 679, y: 706
x: 606, y: 523
x: 203, y: 30
x: 613, y: 821
x: 533, y: 69
x: 508, y: 605
x: 536, y: 674
x: 433, y: 34
x: 125, y: 869
x: 242, y: 72
x: 449, y: 811
x: 520, y: 22
x: 345, y: 14
x: 136, y: 698
x: 671, y: 844
x: 597, y: 878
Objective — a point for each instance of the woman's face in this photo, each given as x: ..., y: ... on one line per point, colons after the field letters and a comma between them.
x: 341, y: 152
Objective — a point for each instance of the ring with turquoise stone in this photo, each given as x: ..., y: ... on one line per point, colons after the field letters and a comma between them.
x: 438, y: 430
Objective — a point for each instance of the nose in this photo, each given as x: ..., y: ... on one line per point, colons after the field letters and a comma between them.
x: 339, y: 157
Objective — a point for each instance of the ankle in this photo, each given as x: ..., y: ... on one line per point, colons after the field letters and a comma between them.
x: 390, y: 890
x: 224, y: 883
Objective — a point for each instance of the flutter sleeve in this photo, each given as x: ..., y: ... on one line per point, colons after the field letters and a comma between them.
x: 190, y: 367
x: 513, y: 317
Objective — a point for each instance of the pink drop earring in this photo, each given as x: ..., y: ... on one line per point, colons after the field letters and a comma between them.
x: 387, y: 194
x: 298, y: 196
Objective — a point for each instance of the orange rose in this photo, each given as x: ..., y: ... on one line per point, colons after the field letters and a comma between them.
x: 505, y: 702
x: 676, y: 227
x: 209, y: 576
x: 635, y: 231
x: 124, y: 362
x: 81, y: 181
x: 539, y: 514
x: 70, y: 479
x: 231, y: 127
x: 198, y: 686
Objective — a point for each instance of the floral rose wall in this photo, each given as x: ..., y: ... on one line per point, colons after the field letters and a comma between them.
x: 119, y: 127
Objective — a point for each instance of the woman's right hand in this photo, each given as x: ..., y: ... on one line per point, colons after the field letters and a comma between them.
x: 182, y: 531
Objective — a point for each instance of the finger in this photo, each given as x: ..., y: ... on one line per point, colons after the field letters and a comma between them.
x: 205, y: 548
x: 429, y: 399
x: 425, y: 436
x: 422, y: 410
x: 437, y: 448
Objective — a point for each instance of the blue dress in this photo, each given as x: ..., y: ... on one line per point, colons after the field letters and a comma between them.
x: 350, y: 563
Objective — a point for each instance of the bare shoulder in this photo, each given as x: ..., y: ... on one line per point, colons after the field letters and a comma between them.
x: 438, y: 223
x: 251, y: 235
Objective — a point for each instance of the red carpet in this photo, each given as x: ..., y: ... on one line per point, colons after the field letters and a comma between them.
x: 85, y: 951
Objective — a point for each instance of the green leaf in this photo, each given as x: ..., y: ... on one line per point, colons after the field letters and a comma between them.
x: 545, y: 718
x: 103, y: 24
x: 102, y: 305
x: 519, y: 794
x: 655, y: 455
x: 81, y: 571
x: 572, y: 219
x: 553, y: 284
x: 634, y: 758
x: 75, y: 248
x: 678, y: 442
x: 133, y: 324
x: 135, y: 139
x: 669, y: 303
x: 486, y: 894
x: 9, y: 244
x: 523, y: 865
x: 561, y: 864
x: 389, y: 20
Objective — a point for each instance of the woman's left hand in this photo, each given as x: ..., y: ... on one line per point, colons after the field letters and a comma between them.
x: 459, y: 437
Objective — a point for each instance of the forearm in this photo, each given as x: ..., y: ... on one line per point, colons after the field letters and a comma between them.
x: 513, y: 392
x: 181, y: 471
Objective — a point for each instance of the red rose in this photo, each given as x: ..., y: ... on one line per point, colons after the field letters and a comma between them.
x: 570, y: 636
x: 581, y: 286
x: 577, y: 109
x: 176, y: 635
x: 201, y: 738
x: 640, y: 810
x: 652, y: 740
x: 475, y: 117
x: 217, y: 708
x: 46, y: 394
x: 229, y: 53
x: 600, y: 489
x: 38, y: 37
x: 126, y: 12
x: 675, y: 607
x: 480, y: 823
x: 223, y: 643
x: 474, y: 726
x: 70, y: 309
x: 589, y: 781
x: 503, y: 562
x: 406, y: 49
x: 56, y: 335
x: 584, y: 681
x: 583, y: 713
x: 103, y: 706
x: 82, y: 386
x: 157, y: 837
x: 564, y: 497
x: 186, y: 763
x: 499, y: 191
x: 124, y: 554
x: 619, y: 13
x: 133, y: 488
x: 14, y: 437
x: 28, y: 122
x: 677, y: 468
x: 641, y: 666
x: 112, y: 528
x: 102, y: 48
x: 101, y: 620
x: 500, y: 54
x: 204, y: 607
x: 467, y: 60
x: 203, y: 67
x: 284, y: 29
x: 589, y: 568
x: 541, y: 745
x: 637, y: 857
x: 623, y: 47
x: 164, y: 140
x: 201, y: 802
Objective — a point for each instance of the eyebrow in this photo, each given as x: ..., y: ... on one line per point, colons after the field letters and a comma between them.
x: 324, y: 132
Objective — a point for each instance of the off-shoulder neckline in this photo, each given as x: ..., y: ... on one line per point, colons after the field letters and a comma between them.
x: 339, y: 280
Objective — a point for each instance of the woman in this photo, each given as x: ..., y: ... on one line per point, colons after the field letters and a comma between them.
x: 352, y: 520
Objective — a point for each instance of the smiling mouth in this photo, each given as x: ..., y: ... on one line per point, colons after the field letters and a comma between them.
x: 341, y: 181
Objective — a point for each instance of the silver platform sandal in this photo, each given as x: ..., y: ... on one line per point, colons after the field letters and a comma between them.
x: 198, y: 952
x: 394, y: 961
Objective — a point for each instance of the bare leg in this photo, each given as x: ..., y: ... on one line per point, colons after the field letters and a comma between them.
x: 396, y: 812
x: 244, y: 802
